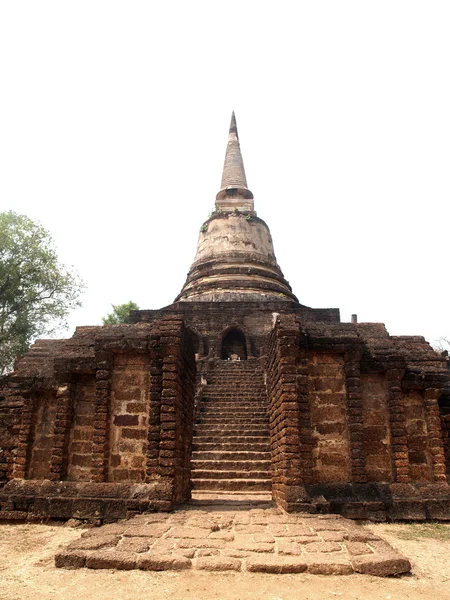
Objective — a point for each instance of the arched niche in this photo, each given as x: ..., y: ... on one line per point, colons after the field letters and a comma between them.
x: 197, y: 340
x: 234, y: 344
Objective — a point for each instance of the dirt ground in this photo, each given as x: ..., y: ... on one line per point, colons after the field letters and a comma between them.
x: 27, y: 572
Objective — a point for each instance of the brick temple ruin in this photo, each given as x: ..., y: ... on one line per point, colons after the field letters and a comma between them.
x: 234, y: 388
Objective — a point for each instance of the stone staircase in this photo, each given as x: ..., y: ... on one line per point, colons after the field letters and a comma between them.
x: 231, y: 446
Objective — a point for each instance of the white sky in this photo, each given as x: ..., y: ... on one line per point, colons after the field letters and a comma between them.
x: 113, y: 127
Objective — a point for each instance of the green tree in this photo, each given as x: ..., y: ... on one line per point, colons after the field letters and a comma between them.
x: 120, y: 313
x: 36, y: 291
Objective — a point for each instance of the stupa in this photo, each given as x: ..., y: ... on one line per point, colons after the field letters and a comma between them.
x: 235, y: 390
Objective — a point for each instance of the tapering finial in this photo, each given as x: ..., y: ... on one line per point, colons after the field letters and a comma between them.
x: 233, y: 126
x: 234, y: 193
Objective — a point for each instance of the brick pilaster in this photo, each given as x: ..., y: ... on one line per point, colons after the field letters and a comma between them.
x: 63, y: 419
x: 399, y: 440
x: 435, y: 442
x: 102, y: 401
x: 304, y: 408
x: 22, y: 456
x: 154, y: 430
x: 355, y: 415
x: 172, y: 393
x: 288, y: 414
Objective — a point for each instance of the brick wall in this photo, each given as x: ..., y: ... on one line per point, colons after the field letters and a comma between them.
x: 445, y: 419
x: 173, y: 382
x: 79, y: 459
x: 327, y: 396
x: 128, y: 417
x: 42, y: 436
x: 10, y: 417
x: 290, y: 457
x: 377, y: 439
x: 210, y: 319
x: 417, y: 434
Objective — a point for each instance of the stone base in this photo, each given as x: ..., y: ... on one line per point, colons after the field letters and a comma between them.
x: 33, y: 500
x: 380, y: 502
x: 220, y: 539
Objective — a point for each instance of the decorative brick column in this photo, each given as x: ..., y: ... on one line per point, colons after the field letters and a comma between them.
x: 173, y: 378
x: 399, y: 440
x: 154, y: 430
x: 104, y: 360
x: 63, y: 420
x: 445, y: 423
x: 435, y: 442
x: 355, y: 415
x: 288, y: 414
x: 304, y: 414
x: 21, y: 459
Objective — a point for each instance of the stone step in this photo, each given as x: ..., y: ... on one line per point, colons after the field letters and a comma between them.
x: 226, y: 465
x: 218, y: 474
x: 234, y: 395
x: 220, y: 414
x: 238, y: 365
x: 236, y: 402
x: 233, y: 439
x: 236, y: 430
x: 263, y: 427
x: 225, y: 373
x: 241, y: 500
x: 224, y: 378
x: 226, y: 383
x: 221, y: 406
x: 224, y: 438
x: 238, y: 411
x: 232, y: 484
x: 230, y: 455
x: 232, y: 420
x: 252, y: 370
x: 235, y: 392
x: 210, y: 416
x: 234, y: 405
x: 231, y: 447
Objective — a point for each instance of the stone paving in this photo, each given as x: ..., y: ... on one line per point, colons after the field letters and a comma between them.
x: 216, y: 539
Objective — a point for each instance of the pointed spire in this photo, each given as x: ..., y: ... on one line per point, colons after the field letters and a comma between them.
x: 233, y: 126
x: 233, y: 188
x: 233, y: 169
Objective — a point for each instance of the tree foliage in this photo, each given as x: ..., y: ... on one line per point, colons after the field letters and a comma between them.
x: 36, y: 291
x: 120, y: 313
x: 442, y: 344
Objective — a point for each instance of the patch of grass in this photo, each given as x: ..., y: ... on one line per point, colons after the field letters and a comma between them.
x: 415, y: 531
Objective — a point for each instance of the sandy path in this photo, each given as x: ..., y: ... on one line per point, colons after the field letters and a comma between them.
x: 27, y: 572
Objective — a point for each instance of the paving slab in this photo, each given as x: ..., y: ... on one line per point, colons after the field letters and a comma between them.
x: 215, y: 538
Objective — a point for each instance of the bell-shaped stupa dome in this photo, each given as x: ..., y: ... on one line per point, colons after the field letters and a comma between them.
x: 235, y: 260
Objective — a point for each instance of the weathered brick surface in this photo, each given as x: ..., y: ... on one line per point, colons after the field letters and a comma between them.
x: 418, y: 458
x: 43, y: 435
x: 358, y: 422
x: 79, y: 453
x: 173, y: 544
x: 330, y: 419
x: 128, y: 432
x: 289, y: 456
x: 376, y: 427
